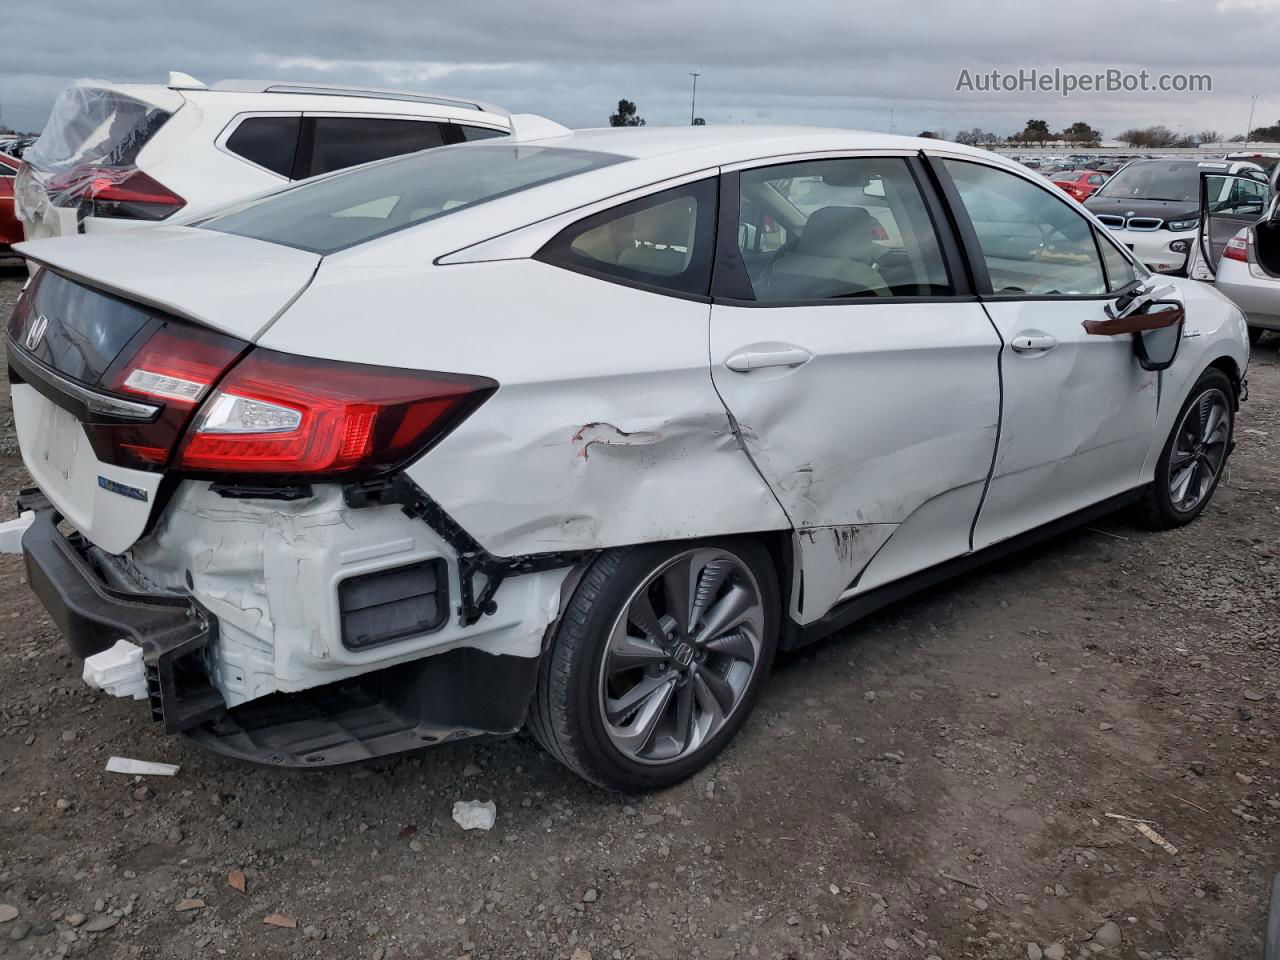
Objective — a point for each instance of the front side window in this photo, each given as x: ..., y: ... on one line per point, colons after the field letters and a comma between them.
x: 663, y: 240
x: 845, y: 228
x: 340, y: 142
x: 1120, y: 269
x: 1033, y: 243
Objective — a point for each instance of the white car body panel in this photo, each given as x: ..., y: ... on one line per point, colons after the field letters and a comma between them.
x: 158, y: 264
x: 1083, y: 441
x: 849, y: 439
x: 620, y: 438
x: 1151, y: 247
x: 57, y: 454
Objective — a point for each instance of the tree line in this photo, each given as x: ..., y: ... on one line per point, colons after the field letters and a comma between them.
x: 1038, y: 132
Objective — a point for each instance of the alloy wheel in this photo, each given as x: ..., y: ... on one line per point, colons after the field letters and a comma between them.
x: 1199, y: 450
x: 681, y: 655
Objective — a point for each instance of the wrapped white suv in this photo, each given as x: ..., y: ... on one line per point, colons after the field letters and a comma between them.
x: 114, y: 156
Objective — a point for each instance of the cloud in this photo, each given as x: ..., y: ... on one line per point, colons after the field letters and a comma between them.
x: 839, y: 62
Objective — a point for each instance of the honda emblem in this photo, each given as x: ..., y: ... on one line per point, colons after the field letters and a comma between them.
x: 35, y: 332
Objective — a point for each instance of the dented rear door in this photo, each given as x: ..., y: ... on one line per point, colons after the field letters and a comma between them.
x: 862, y: 380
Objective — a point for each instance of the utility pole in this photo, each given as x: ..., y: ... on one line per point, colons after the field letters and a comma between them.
x: 1253, y: 102
x: 693, y: 101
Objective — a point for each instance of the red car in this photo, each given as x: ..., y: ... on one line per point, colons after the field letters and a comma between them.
x: 1079, y: 183
x: 10, y: 228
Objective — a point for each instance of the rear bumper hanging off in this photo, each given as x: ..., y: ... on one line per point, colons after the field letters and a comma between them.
x: 93, y: 614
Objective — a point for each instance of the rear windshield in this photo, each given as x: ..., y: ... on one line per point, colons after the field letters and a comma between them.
x: 352, y: 207
x: 89, y: 125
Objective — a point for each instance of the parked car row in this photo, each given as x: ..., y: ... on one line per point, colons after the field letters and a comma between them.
x: 341, y: 469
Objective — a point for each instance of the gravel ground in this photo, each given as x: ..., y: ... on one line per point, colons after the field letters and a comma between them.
x: 935, y: 782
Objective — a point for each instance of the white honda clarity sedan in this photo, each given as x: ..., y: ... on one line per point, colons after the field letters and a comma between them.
x: 576, y: 431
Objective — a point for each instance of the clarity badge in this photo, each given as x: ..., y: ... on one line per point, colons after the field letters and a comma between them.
x: 133, y: 493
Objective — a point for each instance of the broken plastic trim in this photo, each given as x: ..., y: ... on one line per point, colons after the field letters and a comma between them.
x: 472, y: 557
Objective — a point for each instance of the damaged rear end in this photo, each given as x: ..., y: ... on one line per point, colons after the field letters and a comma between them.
x: 226, y: 509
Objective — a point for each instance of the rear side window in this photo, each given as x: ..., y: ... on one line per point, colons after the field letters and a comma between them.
x: 270, y: 142
x: 661, y: 241
x: 1034, y: 244
x: 470, y: 133
x: 340, y: 142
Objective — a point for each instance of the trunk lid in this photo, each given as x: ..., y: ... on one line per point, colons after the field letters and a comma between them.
x: 176, y: 305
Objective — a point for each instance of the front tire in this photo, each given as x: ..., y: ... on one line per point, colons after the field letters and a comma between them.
x: 1194, y: 456
x: 657, y: 661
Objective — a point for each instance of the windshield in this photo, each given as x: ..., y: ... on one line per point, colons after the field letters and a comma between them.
x: 361, y: 204
x: 1177, y: 180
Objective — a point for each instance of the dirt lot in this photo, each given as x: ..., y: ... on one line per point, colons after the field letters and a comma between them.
x: 935, y: 781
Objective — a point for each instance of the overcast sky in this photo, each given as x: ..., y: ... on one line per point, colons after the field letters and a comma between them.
x: 839, y: 62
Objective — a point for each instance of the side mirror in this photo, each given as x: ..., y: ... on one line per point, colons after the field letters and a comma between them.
x: 1156, y: 328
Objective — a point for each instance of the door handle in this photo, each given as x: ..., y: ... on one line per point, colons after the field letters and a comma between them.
x: 1027, y: 344
x: 759, y: 359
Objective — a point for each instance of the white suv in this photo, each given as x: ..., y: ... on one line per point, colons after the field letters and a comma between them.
x: 115, y: 156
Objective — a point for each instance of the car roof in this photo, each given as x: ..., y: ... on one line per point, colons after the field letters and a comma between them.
x: 740, y: 142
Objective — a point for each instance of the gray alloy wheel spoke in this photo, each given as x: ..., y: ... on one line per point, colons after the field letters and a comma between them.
x: 1215, y: 431
x: 628, y: 653
x: 718, y: 686
x: 677, y: 587
x: 663, y: 694
x: 735, y: 645
x: 710, y: 580
x: 620, y: 709
x: 641, y: 613
x: 726, y: 613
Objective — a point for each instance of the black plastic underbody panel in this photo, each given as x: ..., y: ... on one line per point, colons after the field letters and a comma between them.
x: 455, y: 695
x: 93, y: 615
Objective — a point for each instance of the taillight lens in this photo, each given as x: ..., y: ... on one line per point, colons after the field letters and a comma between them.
x: 1237, y: 248
x: 174, y: 368
x: 280, y: 414
x: 136, y: 197
x: 121, y: 193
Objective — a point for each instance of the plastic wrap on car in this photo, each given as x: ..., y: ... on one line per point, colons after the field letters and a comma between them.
x: 92, y: 139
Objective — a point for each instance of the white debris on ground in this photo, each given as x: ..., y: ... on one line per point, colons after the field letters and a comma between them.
x: 145, y: 768
x: 475, y: 814
x: 11, y: 532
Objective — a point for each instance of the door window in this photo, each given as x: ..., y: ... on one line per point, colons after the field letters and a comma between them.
x: 340, y: 142
x: 838, y: 229
x: 1033, y: 243
x: 1120, y: 269
x: 663, y: 240
x: 269, y: 142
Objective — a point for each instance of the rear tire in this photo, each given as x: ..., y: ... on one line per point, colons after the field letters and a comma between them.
x: 635, y: 708
x: 1194, y: 456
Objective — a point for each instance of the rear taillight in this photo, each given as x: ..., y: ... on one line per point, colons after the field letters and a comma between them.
x: 136, y: 197
x: 173, y: 369
x: 121, y: 193
x: 1237, y: 248
x: 279, y: 414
